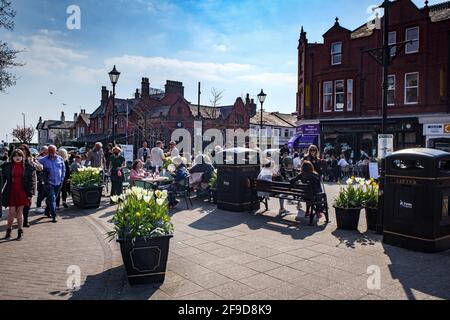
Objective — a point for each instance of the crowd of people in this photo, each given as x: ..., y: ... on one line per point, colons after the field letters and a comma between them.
x: 47, y: 174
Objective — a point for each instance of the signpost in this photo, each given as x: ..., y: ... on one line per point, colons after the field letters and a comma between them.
x: 385, y: 145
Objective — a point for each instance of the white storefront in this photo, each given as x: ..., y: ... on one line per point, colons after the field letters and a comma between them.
x: 436, y: 131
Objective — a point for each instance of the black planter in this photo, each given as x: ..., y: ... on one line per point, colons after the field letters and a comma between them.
x: 145, y: 260
x: 347, y: 219
x: 371, y: 218
x: 86, y: 197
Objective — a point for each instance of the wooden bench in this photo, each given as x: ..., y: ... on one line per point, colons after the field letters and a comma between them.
x: 296, y: 192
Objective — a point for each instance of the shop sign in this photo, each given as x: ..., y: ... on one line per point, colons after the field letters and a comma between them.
x: 309, y: 129
x: 434, y: 129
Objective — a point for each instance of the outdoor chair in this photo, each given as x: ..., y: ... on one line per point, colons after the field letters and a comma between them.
x: 126, y: 178
x: 183, y: 190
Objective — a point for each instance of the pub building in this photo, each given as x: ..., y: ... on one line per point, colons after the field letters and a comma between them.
x: 340, y: 83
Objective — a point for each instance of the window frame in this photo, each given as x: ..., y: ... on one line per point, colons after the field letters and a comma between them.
x: 406, y: 88
x: 393, y: 52
x: 414, y: 40
x: 341, y: 93
x: 349, y: 95
x: 395, y: 89
x: 333, y: 54
x: 324, y: 94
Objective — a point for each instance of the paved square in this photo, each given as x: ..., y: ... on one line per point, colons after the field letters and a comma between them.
x: 219, y: 255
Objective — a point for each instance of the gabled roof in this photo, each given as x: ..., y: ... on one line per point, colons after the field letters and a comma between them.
x: 86, y: 117
x: 440, y: 11
x: 208, y: 112
x: 57, y: 124
x: 275, y: 119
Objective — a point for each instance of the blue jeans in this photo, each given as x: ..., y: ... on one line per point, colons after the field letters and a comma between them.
x: 52, y: 193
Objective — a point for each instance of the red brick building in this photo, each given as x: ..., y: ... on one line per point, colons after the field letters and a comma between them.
x: 340, y: 84
x: 153, y: 115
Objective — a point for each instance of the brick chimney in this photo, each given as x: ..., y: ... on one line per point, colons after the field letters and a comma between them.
x: 250, y: 106
x: 136, y: 94
x: 63, y: 117
x: 145, y: 87
x: 75, y: 116
x: 174, y: 87
x: 104, y: 95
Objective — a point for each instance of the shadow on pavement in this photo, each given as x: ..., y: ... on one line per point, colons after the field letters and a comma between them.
x: 420, y: 272
x: 109, y: 285
x: 216, y: 219
x: 352, y: 238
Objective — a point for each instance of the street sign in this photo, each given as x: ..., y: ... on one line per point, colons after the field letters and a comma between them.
x: 385, y: 145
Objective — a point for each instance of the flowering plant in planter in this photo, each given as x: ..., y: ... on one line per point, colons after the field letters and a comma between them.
x: 141, y: 214
x: 86, y: 177
x: 213, y: 181
x: 371, y: 190
x: 351, y: 196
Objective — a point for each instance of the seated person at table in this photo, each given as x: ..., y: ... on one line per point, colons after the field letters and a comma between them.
x: 203, y: 165
x: 334, y: 171
x: 309, y: 176
x: 180, y: 175
x: 137, y: 172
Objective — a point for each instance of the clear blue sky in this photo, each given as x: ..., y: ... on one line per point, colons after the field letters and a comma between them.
x: 237, y: 46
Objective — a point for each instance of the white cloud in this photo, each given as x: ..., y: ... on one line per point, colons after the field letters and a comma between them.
x: 44, y: 55
x: 267, y: 78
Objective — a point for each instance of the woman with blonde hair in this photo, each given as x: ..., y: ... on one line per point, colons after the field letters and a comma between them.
x: 66, y: 184
x: 313, y: 156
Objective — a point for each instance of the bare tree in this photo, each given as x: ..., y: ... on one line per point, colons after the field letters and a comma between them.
x: 7, y: 55
x: 216, y: 98
x: 61, y: 138
x: 24, y: 135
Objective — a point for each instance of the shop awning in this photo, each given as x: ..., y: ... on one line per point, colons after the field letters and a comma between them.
x: 303, y: 141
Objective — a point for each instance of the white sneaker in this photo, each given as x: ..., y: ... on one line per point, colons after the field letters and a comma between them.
x: 283, y: 212
x: 40, y: 210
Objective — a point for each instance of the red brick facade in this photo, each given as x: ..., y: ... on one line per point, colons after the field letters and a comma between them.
x: 322, y: 84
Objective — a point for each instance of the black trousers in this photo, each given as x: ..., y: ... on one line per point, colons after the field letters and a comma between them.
x: 63, y: 193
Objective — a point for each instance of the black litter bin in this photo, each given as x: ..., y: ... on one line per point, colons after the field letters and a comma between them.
x: 416, y: 199
x: 238, y: 166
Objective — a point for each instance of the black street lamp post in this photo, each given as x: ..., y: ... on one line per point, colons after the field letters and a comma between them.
x: 114, y: 77
x: 261, y: 97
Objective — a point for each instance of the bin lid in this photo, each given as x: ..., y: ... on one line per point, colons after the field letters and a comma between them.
x: 423, y: 152
x: 419, y: 163
x: 239, y: 156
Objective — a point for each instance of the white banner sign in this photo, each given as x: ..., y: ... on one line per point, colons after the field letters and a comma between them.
x: 385, y: 145
x: 127, y: 152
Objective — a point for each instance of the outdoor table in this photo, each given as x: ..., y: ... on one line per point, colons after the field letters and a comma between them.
x: 156, y: 181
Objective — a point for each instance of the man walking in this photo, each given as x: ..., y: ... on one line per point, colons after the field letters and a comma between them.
x: 144, y: 152
x: 54, y: 173
x: 96, y: 157
x: 158, y: 157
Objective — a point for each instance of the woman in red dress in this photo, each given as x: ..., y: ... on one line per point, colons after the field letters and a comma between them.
x: 18, y: 191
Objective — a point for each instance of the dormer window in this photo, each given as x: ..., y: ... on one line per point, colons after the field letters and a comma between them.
x: 336, y: 53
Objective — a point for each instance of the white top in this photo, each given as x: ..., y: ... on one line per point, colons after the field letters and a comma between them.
x: 297, y: 162
x: 343, y: 163
x: 157, y: 157
x: 174, y: 153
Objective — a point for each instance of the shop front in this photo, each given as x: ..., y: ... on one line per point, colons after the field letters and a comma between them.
x: 437, y: 136
x: 355, y: 138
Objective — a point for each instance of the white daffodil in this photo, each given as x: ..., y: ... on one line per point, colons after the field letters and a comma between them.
x: 158, y: 194
x: 128, y: 192
x: 115, y: 199
x: 160, y: 202
x: 349, y: 182
x: 147, y: 199
x: 164, y: 194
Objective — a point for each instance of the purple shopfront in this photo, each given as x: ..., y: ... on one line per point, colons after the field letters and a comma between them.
x: 307, y: 134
